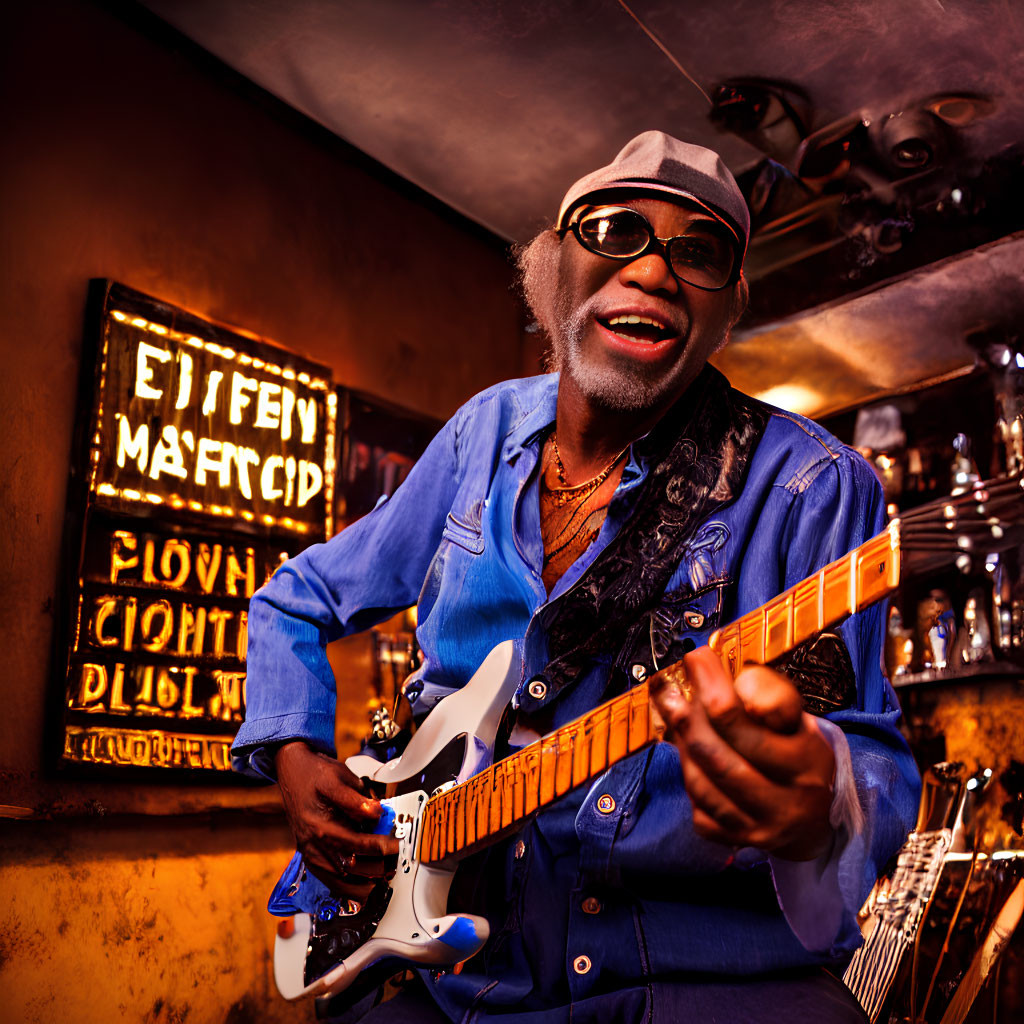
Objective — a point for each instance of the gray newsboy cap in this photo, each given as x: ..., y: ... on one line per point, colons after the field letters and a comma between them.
x: 657, y: 163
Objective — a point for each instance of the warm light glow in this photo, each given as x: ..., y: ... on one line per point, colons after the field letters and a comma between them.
x: 274, y: 403
x: 792, y: 397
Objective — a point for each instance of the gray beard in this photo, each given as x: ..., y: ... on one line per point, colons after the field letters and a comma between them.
x: 624, y: 390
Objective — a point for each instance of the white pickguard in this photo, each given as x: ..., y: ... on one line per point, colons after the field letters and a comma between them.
x: 415, y: 925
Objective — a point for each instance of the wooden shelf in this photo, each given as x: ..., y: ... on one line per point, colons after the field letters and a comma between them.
x: 976, y: 672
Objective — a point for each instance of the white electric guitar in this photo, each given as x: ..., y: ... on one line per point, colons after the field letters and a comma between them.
x: 444, y: 798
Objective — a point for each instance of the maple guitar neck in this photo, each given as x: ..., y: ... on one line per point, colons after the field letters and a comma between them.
x: 482, y: 809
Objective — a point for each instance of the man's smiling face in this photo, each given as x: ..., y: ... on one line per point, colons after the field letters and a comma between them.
x: 628, y: 334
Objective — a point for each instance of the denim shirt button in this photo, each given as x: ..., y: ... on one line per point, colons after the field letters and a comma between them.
x: 639, y: 673
x: 537, y: 689
x: 693, y: 619
x: 606, y: 803
x: 520, y: 850
x: 581, y: 964
x: 591, y: 905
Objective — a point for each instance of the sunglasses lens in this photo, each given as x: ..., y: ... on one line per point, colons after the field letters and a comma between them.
x: 614, y: 232
x: 703, y: 257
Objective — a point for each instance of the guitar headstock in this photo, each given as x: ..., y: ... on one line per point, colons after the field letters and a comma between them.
x: 964, y: 528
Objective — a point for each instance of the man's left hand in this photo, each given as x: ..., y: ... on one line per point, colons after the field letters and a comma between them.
x: 757, y: 768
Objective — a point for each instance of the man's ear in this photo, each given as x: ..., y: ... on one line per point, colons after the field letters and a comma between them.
x: 740, y: 298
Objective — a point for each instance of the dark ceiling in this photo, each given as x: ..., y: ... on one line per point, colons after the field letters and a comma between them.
x: 880, y: 142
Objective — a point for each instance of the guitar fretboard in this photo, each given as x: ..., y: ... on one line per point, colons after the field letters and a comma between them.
x: 480, y: 810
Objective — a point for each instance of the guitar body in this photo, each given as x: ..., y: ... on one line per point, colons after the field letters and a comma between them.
x: 404, y: 922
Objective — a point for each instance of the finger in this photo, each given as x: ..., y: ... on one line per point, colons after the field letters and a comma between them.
x: 709, y: 802
x: 364, y: 844
x: 722, y: 779
x: 708, y: 827
x: 713, y: 688
x: 670, y: 693
x: 782, y: 755
x: 335, y: 791
x: 341, y: 840
x: 770, y: 697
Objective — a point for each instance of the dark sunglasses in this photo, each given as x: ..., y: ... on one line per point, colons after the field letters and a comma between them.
x: 707, y: 256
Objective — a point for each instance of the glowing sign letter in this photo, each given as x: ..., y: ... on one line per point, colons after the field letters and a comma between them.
x: 212, y: 458
x: 212, y: 384
x: 268, y: 406
x: 267, y: 488
x: 207, y: 566
x: 184, y: 380
x: 129, y: 447
x: 244, y: 457
x: 287, y: 405
x: 167, y: 457
x: 144, y: 372
x: 234, y: 572
x: 123, y: 540
x: 93, y: 685
x: 311, y: 479
x: 180, y: 549
x: 239, y: 399
x: 157, y: 641
x: 106, y: 606
x: 307, y: 419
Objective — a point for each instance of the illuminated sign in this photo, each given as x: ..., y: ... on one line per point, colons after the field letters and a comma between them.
x: 210, y: 459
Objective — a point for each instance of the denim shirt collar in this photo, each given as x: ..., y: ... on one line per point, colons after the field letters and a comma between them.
x: 534, y: 420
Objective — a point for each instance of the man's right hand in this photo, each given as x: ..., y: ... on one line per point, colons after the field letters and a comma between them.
x: 327, y: 808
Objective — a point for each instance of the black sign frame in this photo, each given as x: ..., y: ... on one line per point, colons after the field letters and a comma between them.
x: 151, y: 633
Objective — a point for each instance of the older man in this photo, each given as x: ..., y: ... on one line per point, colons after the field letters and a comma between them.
x: 610, y: 516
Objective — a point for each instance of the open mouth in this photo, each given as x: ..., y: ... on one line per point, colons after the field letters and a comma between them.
x: 631, y: 327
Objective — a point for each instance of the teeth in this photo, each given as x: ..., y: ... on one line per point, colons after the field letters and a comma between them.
x: 632, y: 318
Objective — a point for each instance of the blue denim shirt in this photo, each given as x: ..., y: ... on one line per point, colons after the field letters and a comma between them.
x: 462, y: 537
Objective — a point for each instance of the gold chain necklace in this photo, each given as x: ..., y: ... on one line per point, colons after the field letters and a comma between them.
x: 570, y: 492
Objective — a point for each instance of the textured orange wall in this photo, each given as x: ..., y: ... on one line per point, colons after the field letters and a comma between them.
x: 125, y: 159
x: 128, y: 157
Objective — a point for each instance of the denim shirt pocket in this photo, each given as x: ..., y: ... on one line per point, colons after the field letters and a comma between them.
x: 466, y: 529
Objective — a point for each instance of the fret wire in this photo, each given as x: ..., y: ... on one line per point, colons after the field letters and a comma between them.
x: 518, y: 787
x: 508, y: 815
x: 598, y: 752
x: 548, y: 754
x: 484, y: 808
x: 441, y: 828
x: 563, y: 759
x: 450, y: 822
x: 460, y: 816
x: 472, y: 789
x: 581, y: 751
x: 494, y: 805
